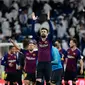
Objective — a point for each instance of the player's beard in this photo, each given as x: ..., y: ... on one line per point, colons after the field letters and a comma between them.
x: 57, y: 45
x: 71, y: 46
x: 30, y: 49
x: 43, y: 36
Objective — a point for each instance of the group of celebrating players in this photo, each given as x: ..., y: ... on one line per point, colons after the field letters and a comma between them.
x: 44, y: 64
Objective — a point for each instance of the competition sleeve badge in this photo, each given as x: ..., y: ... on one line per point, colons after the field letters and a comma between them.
x: 46, y: 42
x: 15, y: 57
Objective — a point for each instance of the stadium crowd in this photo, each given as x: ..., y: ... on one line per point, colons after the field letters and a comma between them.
x: 66, y: 15
x: 46, y: 25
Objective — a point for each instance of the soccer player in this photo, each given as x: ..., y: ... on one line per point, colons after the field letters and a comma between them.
x: 44, y: 67
x: 57, y: 68
x: 30, y: 61
x: 20, y: 58
x: 63, y: 54
x: 73, y: 55
x: 10, y: 62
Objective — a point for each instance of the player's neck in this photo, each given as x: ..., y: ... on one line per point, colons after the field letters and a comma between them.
x: 43, y: 39
x: 31, y: 51
x: 59, y: 48
x: 74, y: 48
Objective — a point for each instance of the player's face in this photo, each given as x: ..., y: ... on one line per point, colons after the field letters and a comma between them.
x: 72, y: 44
x: 43, y: 33
x: 31, y: 47
x: 57, y: 44
x: 16, y: 50
x: 13, y: 50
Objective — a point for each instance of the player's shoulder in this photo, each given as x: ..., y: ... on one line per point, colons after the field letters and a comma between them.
x: 63, y: 50
x: 35, y: 51
x: 78, y: 50
x: 68, y: 49
x: 6, y: 54
x: 54, y: 49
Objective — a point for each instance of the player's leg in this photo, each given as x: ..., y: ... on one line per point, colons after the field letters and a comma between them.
x: 19, y: 78
x: 33, y: 79
x: 26, y: 82
x: 67, y: 77
x: 40, y: 67
x: 27, y: 79
x: 48, y: 72
x: 6, y: 82
x: 56, y: 77
x: 9, y: 78
x: 74, y: 78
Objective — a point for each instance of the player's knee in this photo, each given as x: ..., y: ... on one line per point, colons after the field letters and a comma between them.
x: 27, y: 82
x: 66, y: 83
x: 39, y: 80
x: 6, y: 84
x: 38, y: 83
x: 53, y: 82
x: 48, y: 82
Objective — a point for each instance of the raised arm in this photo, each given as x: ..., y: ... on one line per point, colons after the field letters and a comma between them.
x: 51, y: 27
x: 14, y: 44
x: 34, y: 18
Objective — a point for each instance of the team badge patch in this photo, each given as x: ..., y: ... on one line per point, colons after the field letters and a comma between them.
x: 45, y: 41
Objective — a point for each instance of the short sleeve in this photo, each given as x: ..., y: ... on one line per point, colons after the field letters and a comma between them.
x: 79, y: 55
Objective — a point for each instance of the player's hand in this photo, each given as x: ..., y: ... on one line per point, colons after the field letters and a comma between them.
x: 81, y: 71
x: 19, y: 67
x: 10, y: 40
x: 10, y: 65
x: 34, y: 17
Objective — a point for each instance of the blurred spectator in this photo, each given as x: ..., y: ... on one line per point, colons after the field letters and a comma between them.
x: 30, y: 12
x: 61, y: 27
x: 68, y: 18
x: 15, y: 5
x: 17, y: 28
x: 6, y: 28
x: 14, y: 14
x: 23, y: 18
x: 1, y: 36
x: 47, y: 8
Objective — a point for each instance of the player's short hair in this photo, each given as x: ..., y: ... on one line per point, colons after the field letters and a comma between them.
x: 45, y: 29
x: 10, y: 47
x: 32, y: 41
x: 74, y: 40
x: 59, y: 41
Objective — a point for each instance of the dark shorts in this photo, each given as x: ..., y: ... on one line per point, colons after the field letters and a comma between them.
x: 56, y: 76
x: 19, y: 76
x: 30, y: 77
x: 11, y: 77
x: 70, y: 76
x: 44, y: 70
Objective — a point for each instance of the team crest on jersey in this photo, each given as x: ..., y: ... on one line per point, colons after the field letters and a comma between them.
x: 74, y: 53
x: 46, y: 42
x: 34, y: 54
x: 8, y: 57
x: 14, y: 56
